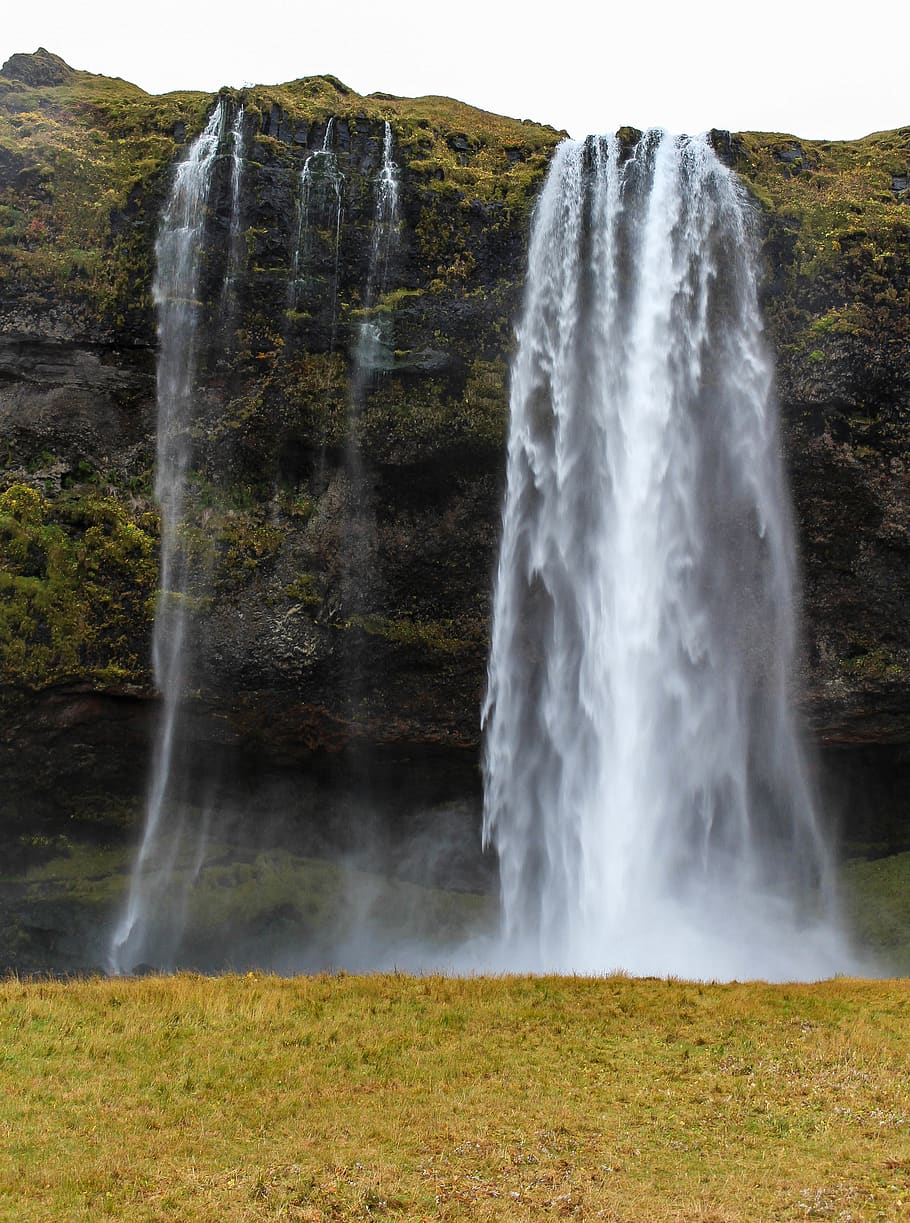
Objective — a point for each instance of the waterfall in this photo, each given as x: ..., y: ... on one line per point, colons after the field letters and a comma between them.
x: 645, y: 788
x: 175, y: 289
x: 373, y: 344
x: 235, y: 237
x: 236, y: 171
x: 360, y: 571
x: 385, y: 221
x: 320, y: 207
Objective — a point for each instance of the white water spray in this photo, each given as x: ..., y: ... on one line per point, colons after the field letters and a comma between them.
x: 645, y: 788
x: 176, y: 291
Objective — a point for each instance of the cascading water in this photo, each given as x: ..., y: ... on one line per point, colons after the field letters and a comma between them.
x: 372, y: 356
x: 235, y: 238
x: 320, y: 207
x: 645, y: 788
x: 175, y: 290
x: 385, y: 223
x: 373, y: 341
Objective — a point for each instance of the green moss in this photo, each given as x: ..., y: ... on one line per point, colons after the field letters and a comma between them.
x: 304, y: 589
x: 388, y: 303
x: 76, y: 583
x: 422, y: 418
x: 432, y: 635
x: 297, y: 506
x: 872, y: 661
x: 243, y: 542
x: 88, y: 151
x: 838, y: 239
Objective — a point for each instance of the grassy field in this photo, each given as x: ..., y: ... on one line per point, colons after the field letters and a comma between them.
x: 333, y: 1097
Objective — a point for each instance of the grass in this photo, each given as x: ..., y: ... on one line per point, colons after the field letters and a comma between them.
x: 322, y: 1098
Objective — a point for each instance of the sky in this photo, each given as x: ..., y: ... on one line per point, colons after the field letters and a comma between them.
x: 794, y: 66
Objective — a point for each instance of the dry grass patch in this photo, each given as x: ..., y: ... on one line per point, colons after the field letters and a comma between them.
x: 321, y: 1098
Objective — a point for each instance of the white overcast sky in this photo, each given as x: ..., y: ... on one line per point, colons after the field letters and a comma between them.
x: 816, y: 70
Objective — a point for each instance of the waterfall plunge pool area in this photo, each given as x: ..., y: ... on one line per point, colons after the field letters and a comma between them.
x: 306, y: 875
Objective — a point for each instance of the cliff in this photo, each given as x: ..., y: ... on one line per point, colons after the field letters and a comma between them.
x: 345, y: 556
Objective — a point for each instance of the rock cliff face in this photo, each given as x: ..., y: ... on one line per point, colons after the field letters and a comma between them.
x: 345, y: 521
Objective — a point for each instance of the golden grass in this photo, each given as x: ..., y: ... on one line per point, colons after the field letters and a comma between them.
x: 248, y: 1098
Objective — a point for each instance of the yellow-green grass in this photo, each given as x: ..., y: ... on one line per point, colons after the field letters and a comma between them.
x: 325, y: 1098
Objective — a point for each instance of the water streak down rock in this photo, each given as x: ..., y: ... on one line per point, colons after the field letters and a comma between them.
x: 152, y: 919
x: 236, y: 243
x: 321, y: 205
x: 373, y: 351
x: 646, y: 790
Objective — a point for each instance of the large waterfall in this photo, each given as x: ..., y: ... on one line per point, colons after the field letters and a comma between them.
x: 645, y: 787
x: 153, y: 915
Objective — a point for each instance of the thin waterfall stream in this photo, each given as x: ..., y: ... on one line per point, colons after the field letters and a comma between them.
x: 371, y: 357
x: 235, y: 235
x: 320, y: 205
x: 646, y: 791
x: 373, y: 347
x: 151, y: 922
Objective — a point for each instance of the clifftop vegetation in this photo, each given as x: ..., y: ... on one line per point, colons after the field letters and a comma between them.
x: 838, y: 300
x: 83, y: 161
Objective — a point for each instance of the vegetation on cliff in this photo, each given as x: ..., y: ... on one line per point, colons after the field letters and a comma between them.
x: 84, y: 159
x: 77, y: 585
x: 80, y: 160
x: 838, y: 249
x: 836, y: 220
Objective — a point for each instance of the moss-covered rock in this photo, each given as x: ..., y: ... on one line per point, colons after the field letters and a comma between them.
x: 838, y: 255
x: 77, y: 581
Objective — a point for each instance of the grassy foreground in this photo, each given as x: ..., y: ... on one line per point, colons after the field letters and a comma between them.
x: 332, y: 1097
